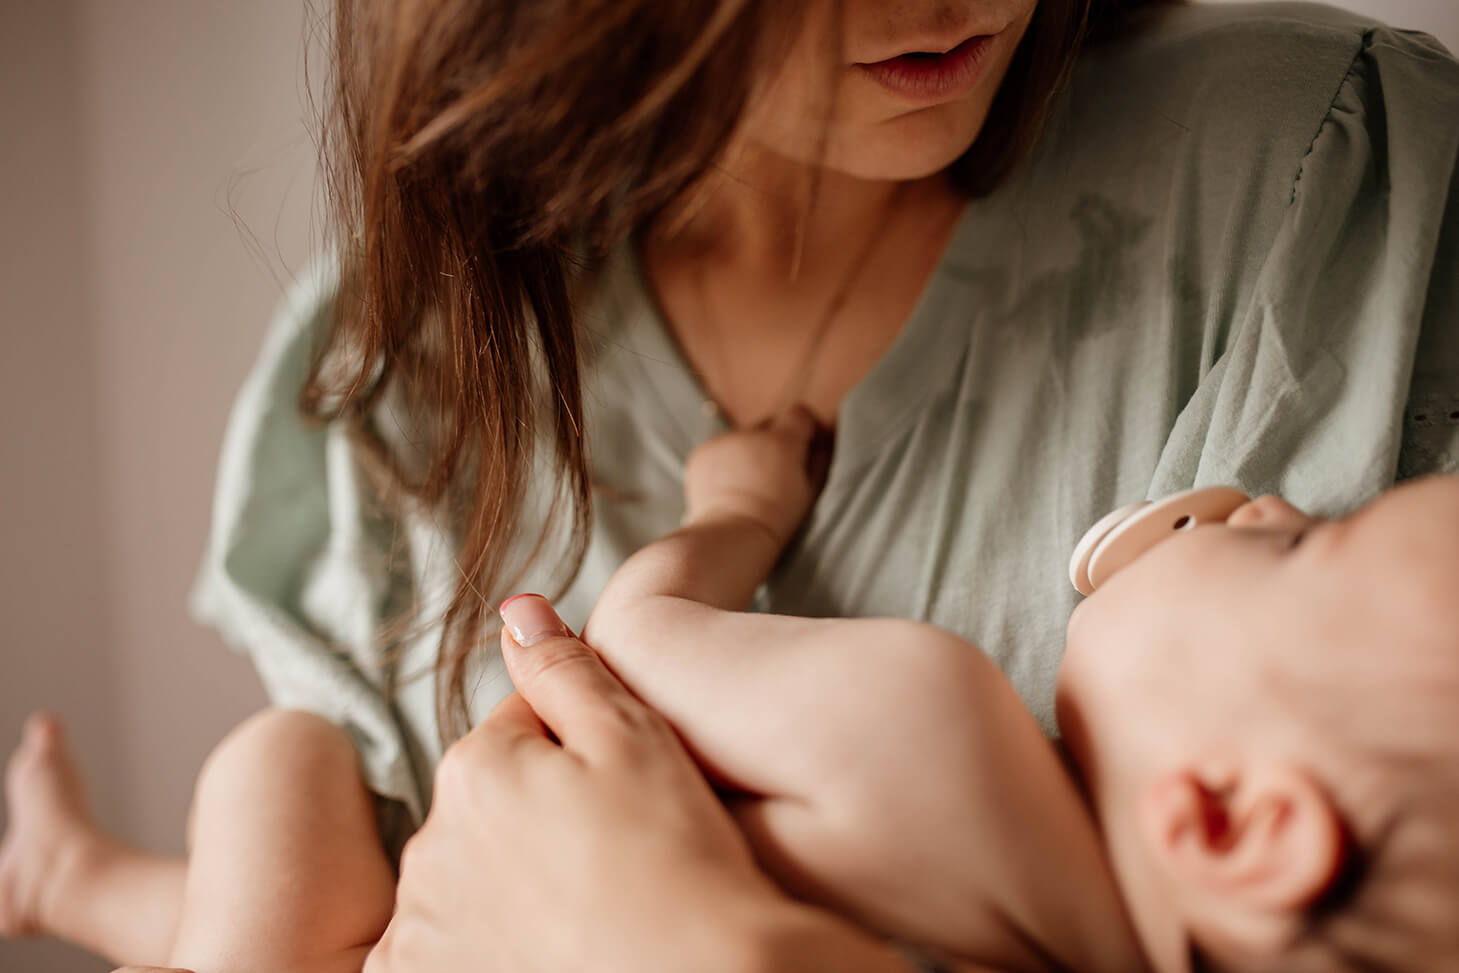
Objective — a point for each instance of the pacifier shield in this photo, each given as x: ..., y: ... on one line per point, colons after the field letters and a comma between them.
x: 1133, y: 532
x: 1084, y: 550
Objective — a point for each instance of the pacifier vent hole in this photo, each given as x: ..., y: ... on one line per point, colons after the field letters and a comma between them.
x: 1184, y: 523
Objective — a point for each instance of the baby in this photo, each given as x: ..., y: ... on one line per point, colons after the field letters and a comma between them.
x: 1264, y: 712
x: 1268, y: 740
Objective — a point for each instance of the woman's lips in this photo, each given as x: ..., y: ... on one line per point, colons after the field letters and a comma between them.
x: 934, y: 77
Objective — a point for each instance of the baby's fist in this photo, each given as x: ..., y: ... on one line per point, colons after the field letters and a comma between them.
x: 762, y: 474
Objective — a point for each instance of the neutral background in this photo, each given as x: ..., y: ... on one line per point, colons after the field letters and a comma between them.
x: 156, y: 182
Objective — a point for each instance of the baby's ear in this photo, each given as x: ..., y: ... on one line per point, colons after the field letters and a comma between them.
x: 1247, y: 848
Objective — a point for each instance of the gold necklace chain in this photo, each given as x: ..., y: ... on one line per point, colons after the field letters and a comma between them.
x: 804, y: 370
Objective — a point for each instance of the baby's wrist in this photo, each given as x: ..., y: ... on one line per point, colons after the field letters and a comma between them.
x: 741, y: 520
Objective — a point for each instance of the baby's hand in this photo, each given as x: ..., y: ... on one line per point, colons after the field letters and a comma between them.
x: 763, y: 475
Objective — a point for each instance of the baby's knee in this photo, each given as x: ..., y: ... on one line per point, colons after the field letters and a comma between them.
x: 278, y: 744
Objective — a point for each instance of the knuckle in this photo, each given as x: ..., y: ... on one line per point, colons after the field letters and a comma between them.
x: 553, y: 658
x: 404, y: 946
x: 410, y: 852
x: 381, y: 956
x: 412, y: 856
x: 629, y: 725
x: 459, y: 765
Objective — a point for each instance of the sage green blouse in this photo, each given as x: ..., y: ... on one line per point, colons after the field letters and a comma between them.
x: 1233, y: 258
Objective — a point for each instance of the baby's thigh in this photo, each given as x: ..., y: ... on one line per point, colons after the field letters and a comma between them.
x: 287, y: 869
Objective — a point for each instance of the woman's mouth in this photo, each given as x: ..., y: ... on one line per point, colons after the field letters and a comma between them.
x: 931, y: 76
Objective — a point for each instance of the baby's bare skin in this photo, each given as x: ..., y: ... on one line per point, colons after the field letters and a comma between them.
x: 981, y: 847
x: 286, y: 870
x: 1304, y: 675
x: 61, y: 875
x: 886, y: 767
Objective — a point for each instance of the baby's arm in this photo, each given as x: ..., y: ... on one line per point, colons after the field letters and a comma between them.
x: 671, y: 621
x: 901, y: 780
x: 773, y: 705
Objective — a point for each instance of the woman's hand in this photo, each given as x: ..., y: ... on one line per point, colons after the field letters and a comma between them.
x: 603, y: 849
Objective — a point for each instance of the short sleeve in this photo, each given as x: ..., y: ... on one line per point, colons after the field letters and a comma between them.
x: 298, y: 571
x: 1342, y: 371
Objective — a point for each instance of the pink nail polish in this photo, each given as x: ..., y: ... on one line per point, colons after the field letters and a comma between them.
x: 530, y: 618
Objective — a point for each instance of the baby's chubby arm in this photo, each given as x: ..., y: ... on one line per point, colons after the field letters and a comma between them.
x: 671, y: 621
x: 897, y: 773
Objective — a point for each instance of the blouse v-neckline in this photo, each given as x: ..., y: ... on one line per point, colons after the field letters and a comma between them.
x: 921, y: 359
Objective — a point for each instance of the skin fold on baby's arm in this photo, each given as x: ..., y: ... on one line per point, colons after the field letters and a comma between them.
x: 867, y: 815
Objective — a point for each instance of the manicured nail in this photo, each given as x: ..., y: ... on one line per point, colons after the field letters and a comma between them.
x: 530, y: 619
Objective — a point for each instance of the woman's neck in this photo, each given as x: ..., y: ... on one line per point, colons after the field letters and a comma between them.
x: 762, y: 215
x: 770, y: 290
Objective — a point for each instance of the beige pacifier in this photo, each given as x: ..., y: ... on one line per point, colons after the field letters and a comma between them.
x: 1130, y: 531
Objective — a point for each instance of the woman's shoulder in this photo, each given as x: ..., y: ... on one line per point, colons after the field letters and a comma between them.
x: 1202, y: 119
x: 1249, y: 78
x: 1238, y: 44
x: 1214, y: 25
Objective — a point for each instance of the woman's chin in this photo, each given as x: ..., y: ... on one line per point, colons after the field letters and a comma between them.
x: 910, y: 146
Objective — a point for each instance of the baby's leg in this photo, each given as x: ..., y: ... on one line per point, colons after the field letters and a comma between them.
x: 62, y: 876
x: 287, y: 870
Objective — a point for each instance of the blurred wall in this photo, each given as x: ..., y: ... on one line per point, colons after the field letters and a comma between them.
x: 54, y: 585
x: 132, y: 304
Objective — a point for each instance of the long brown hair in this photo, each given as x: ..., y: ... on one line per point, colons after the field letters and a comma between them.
x: 478, y: 155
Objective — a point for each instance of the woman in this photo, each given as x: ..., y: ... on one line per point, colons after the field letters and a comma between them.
x: 1222, y: 251
x: 1226, y: 261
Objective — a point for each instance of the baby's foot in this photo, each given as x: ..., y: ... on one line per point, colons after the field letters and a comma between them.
x: 49, y: 829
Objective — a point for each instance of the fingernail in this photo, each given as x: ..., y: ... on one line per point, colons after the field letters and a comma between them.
x: 530, y: 619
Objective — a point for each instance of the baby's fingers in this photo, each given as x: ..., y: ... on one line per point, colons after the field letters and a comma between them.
x: 797, y: 424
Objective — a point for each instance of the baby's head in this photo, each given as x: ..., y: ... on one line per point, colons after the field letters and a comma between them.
x: 1266, y: 714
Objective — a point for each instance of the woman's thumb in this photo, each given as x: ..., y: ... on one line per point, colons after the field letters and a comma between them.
x: 531, y: 618
x: 565, y: 682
